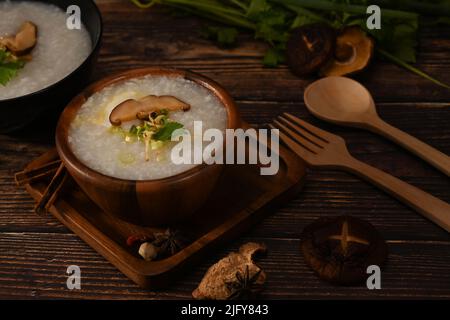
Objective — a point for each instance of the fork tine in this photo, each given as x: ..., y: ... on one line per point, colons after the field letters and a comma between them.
x: 297, y: 137
x: 319, y: 133
x: 305, y: 133
x: 294, y: 146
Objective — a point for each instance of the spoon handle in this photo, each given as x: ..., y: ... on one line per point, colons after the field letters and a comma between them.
x: 436, y: 158
x: 429, y: 206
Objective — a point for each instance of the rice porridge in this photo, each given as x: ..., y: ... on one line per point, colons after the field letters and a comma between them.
x: 96, y: 142
x: 58, y: 50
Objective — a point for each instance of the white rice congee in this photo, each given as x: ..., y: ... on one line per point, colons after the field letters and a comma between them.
x: 95, y: 143
x: 58, y: 52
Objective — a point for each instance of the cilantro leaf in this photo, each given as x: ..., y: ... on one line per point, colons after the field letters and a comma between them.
x: 165, y: 133
x: 7, y: 72
x: 443, y: 21
x: 9, y: 67
x: 273, y: 57
x: 257, y: 7
x: 400, y: 38
x: 224, y: 36
x: 133, y: 130
x: 302, y: 20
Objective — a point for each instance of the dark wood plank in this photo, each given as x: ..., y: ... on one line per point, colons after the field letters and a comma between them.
x: 325, y: 194
x: 35, y: 265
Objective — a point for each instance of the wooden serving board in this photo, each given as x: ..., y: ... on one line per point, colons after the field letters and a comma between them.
x: 242, y: 197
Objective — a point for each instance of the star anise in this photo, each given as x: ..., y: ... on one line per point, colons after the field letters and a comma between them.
x: 169, y: 242
x: 244, y: 287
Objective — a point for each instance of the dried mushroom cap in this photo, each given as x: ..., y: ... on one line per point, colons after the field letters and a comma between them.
x: 340, y: 249
x: 141, y: 109
x: 309, y: 48
x: 23, y: 41
x: 354, y: 50
x: 216, y: 282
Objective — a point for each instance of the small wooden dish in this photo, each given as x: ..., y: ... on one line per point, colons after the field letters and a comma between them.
x: 241, y: 198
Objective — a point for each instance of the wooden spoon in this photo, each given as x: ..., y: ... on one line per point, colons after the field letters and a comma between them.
x: 346, y: 102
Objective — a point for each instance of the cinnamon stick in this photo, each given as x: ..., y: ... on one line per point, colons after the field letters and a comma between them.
x: 51, y: 192
x: 28, y: 176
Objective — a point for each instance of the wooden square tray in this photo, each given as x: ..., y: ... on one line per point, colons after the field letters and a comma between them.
x: 241, y: 198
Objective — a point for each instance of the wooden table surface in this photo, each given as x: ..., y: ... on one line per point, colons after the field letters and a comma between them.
x: 35, y: 252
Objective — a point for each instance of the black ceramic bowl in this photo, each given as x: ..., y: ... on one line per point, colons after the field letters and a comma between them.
x: 18, y: 112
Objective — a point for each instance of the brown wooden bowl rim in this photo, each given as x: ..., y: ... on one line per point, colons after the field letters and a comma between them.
x: 70, y: 159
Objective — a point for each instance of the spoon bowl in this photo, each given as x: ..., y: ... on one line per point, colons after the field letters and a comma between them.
x: 346, y: 102
x: 340, y: 100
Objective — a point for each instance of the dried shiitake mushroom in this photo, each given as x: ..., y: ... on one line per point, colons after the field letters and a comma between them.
x: 309, y: 48
x: 340, y: 249
x: 23, y: 41
x: 132, y: 109
x: 354, y: 50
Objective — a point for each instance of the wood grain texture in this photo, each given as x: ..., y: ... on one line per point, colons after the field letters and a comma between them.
x: 34, y: 265
x: 35, y: 252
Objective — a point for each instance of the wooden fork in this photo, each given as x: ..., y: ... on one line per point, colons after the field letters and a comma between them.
x: 322, y: 149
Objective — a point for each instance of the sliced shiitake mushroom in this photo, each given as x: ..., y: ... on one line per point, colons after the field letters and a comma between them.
x: 340, y: 249
x: 354, y: 50
x: 132, y: 109
x: 23, y: 41
x: 309, y: 48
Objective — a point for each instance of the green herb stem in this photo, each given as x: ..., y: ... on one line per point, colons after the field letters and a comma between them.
x: 213, y: 7
x: 208, y: 9
x: 145, y: 5
x: 410, y: 67
x: 240, y: 4
x: 221, y: 19
x: 308, y: 13
x: 424, y: 8
x: 341, y: 7
x: 236, y: 21
x: 218, y: 8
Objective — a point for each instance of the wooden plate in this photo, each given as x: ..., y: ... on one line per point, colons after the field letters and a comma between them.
x: 241, y: 198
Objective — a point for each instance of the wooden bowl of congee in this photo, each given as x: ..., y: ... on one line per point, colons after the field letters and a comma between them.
x: 116, y: 141
x: 47, y: 51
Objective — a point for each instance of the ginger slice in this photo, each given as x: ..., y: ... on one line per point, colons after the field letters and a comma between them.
x: 132, y: 109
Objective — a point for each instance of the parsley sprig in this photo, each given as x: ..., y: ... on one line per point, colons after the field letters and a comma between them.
x: 272, y: 21
x: 155, y: 131
x: 9, y: 66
